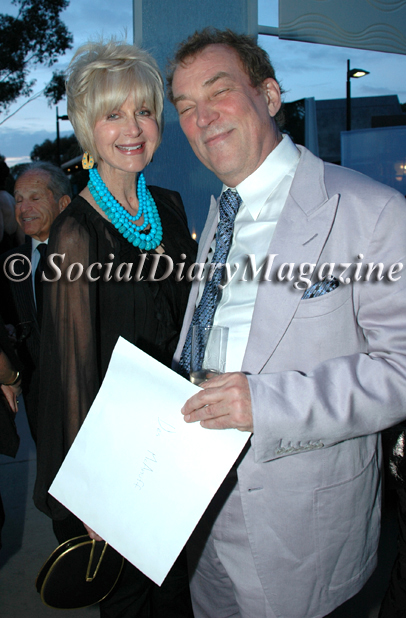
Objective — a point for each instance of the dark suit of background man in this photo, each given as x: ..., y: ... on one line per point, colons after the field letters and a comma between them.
x: 41, y: 192
x: 293, y: 532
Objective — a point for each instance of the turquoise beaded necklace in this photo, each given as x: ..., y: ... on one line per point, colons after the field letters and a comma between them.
x: 122, y: 220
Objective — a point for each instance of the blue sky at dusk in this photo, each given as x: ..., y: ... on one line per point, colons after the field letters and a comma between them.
x: 304, y: 70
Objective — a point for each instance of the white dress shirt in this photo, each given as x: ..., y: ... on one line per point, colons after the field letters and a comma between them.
x: 263, y: 195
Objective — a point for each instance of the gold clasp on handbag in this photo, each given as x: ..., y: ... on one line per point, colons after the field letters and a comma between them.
x: 90, y: 577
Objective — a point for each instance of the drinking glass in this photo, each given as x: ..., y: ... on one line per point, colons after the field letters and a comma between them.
x: 212, y: 340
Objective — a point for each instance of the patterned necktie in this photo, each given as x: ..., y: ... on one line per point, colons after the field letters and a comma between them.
x: 229, y: 204
x: 42, y: 248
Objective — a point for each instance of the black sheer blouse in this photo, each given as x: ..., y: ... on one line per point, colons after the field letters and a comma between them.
x: 83, y: 319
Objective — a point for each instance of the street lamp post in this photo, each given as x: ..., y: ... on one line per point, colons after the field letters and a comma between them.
x: 137, y: 22
x: 58, y: 118
x: 352, y: 73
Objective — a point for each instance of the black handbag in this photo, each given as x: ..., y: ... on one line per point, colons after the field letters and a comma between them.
x: 79, y: 573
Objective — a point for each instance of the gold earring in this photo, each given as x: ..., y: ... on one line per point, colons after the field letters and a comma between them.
x: 87, y: 161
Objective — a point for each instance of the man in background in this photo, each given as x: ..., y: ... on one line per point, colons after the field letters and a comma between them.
x: 41, y: 192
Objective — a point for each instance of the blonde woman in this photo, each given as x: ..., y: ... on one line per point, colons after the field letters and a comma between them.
x: 115, y: 101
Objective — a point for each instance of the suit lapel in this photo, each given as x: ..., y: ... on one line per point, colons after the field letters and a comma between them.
x: 23, y: 292
x: 206, y: 239
x: 209, y: 230
x: 300, y: 236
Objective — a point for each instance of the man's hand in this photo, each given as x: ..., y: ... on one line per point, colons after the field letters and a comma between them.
x: 223, y: 403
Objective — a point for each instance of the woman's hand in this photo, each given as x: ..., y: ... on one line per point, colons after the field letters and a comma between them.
x: 11, y: 394
x: 92, y: 533
x: 12, y: 333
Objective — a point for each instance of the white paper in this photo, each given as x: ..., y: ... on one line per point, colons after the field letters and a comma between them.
x: 136, y: 473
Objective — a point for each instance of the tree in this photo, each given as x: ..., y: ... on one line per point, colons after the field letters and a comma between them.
x: 294, y: 116
x: 69, y: 149
x: 35, y: 36
x: 47, y: 151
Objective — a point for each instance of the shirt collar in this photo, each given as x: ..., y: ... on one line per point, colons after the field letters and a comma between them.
x: 36, y: 242
x: 256, y: 188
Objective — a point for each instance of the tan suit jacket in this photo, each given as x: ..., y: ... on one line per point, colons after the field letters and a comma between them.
x: 326, y: 376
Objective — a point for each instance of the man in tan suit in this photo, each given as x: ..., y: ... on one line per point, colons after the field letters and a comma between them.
x: 314, y: 370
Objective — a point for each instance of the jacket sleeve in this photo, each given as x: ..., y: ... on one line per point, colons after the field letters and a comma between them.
x: 348, y: 396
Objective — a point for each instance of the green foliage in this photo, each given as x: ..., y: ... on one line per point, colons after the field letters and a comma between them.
x: 15, y: 171
x: 55, y: 90
x: 35, y: 36
x: 294, y: 124
x: 47, y: 151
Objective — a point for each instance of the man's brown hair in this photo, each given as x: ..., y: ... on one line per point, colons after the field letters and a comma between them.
x: 254, y: 59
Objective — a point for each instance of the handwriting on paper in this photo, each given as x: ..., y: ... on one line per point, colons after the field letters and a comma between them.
x: 163, y: 426
x: 150, y: 458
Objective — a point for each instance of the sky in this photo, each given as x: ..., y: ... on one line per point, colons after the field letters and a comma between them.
x: 304, y: 70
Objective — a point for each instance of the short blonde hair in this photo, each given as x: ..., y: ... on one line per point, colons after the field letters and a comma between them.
x: 100, y: 78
